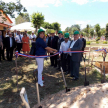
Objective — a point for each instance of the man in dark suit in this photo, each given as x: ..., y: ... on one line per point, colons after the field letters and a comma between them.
x: 52, y: 42
x: 3, y: 41
x: 76, y: 45
x: 10, y: 46
x: 60, y: 40
x: 84, y: 42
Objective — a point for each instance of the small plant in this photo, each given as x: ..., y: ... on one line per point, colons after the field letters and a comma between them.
x: 88, y: 43
x: 105, y: 42
x: 97, y: 42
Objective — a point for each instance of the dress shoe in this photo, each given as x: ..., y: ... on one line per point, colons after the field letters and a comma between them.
x: 41, y: 85
x: 75, y: 79
x: 67, y: 73
x: 55, y: 66
x: 72, y: 76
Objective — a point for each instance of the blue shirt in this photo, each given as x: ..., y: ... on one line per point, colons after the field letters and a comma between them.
x: 40, y: 47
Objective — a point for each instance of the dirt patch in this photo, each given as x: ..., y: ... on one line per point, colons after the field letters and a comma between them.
x: 93, y: 96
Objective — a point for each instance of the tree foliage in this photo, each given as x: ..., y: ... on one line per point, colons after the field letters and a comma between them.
x: 106, y: 31
x: 92, y: 32
x: 11, y: 7
x: 37, y: 20
x: 56, y: 26
x: 22, y: 18
x: 97, y: 29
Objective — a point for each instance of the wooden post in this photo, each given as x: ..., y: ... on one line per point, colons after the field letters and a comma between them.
x: 92, y: 61
x: 89, y: 57
x: 16, y: 73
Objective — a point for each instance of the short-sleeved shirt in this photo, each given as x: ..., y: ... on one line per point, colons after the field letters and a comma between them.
x: 40, y: 47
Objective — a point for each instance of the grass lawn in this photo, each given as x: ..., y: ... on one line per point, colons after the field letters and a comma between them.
x: 10, y: 98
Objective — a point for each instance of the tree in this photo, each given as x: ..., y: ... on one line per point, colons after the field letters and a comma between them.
x: 92, y: 32
x: 11, y: 7
x: 106, y: 36
x: 46, y: 25
x: 22, y: 18
x: 56, y: 26
x: 37, y: 20
x: 97, y: 29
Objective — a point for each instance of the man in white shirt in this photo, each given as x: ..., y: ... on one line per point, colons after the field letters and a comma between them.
x: 18, y: 40
x: 64, y: 56
x: 76, y: 45
x: 32, y: 36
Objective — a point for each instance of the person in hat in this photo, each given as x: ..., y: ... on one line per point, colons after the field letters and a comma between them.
x: 84, y: 42
x: 75, y: 45
x: 65, y: 61
x: 60, y: 40
x: 52, y: 42
x: 41, y: 49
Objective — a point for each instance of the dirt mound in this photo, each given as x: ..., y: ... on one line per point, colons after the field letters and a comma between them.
x: 93, y: 96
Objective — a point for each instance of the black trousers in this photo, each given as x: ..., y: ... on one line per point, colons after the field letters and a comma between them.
x: 2, y: 53
x: 53, y: 60
x: 74, y: 68
x: 19, y: 47
x: 65, y: 62
x: 9, y: 53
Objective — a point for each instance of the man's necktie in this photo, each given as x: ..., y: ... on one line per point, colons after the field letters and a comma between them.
x: 20, y: 37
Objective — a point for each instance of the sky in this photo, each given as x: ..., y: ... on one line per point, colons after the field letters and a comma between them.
x: 69, y: 12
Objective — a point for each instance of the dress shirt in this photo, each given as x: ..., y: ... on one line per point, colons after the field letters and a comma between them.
x: 64, y: 45
x: 72, y: 44
x: 18, y: 38
x: 10, y: 41
x: 32, y: 36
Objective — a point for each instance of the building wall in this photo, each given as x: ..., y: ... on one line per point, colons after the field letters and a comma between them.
x: 1, y: 27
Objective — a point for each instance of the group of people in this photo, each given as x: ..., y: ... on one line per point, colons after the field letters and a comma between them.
x: 70, y: 62
x: 42, y: 45
x: 13, y: 41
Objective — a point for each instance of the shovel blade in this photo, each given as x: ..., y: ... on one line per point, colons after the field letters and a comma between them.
x: 86, y: 83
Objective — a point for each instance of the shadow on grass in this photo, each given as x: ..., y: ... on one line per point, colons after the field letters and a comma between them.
x: 10, y: 98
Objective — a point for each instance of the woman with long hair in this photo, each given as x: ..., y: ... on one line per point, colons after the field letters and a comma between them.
x: 25, y: 44
x: 41, y: 49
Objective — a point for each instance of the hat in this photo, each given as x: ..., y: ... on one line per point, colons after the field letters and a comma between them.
x: 32, y: 31
x: 66, y: 35
x: 60, y: 32
x: 76, y: 32
x: 40, y: 30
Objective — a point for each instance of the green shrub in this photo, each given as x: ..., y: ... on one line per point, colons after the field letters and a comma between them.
x: 105, y: 42
x: 97, y: 42
x: 88, y: 42
x: 98, y: 38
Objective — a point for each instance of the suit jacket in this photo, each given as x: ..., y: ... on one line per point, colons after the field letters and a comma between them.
x: 53, y: 43
x: 3, y: 40
x: 77, y: 47
x: 84, y: 44
x: 59, y: 43
x: 7, y: 43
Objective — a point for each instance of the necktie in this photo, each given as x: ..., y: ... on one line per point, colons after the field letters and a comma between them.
x: 20, y: 37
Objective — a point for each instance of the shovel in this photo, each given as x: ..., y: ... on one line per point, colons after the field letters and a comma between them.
x: 37, y: 88
x: 67, y: 89
x: 103, y: 80
x: 86, y: 83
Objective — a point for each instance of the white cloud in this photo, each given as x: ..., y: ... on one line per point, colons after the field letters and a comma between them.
x: 82, y: 23
x: 41, y: 3
x: 80, y: 2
